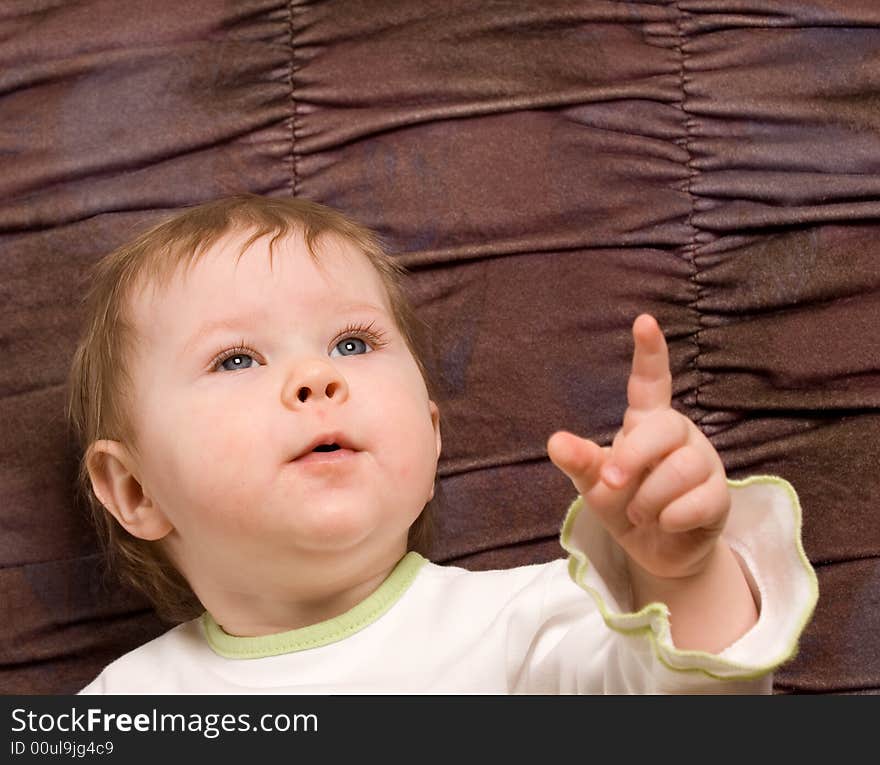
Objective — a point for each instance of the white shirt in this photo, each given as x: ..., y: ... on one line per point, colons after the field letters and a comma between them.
x: 558, y: 627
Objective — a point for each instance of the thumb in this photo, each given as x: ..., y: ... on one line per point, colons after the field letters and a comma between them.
x: 579, y: 458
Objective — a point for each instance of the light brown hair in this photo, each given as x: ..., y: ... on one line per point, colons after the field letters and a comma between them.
x: 100, y: 385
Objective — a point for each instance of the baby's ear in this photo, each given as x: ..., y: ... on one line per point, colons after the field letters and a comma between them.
x: 435, y: 421
x: 111, y: 469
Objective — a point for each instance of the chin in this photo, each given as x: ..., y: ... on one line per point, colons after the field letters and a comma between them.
x: 335, y: 529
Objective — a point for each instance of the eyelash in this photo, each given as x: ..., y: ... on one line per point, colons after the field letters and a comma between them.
x: 366, y: 332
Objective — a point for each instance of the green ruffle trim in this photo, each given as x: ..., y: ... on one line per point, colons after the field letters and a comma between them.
x: 652, y: 621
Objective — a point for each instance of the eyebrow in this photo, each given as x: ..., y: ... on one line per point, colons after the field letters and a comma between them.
x: 249, y: 319
x: 229, y: 323
x: 362, y: 306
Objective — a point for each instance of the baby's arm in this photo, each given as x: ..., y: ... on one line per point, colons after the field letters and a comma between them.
x: 665, y: 505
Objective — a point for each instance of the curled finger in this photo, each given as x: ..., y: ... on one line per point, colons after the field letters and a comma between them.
x: 645, y: 446
x: 676, y: 475
x: 704, y: 507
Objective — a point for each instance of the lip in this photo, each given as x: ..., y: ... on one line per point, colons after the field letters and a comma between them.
x: 323, y: 458
x: 346, y: 448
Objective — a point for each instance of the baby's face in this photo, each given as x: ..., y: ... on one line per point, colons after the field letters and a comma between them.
x: 240, y: 372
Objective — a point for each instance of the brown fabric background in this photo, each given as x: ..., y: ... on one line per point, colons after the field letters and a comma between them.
x: 548, y: 171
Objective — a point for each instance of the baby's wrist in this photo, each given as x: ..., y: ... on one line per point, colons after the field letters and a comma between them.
x: 680, y: 577
x: 709, y: 608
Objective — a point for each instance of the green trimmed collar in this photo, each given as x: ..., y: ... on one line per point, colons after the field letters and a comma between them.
x: 315, y: 635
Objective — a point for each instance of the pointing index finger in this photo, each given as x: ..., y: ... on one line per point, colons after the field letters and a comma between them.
x: 650, y: 382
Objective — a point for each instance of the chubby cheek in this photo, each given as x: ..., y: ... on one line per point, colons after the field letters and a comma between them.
x: 209, y: 467
x: 410, y: 449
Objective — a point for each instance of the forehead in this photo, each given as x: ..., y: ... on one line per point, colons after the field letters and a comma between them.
x: 228, y: 272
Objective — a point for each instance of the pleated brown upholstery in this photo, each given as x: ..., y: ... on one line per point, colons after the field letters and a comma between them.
x: 548, y: 171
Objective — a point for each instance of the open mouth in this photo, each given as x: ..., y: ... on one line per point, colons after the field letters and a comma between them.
x: 327, y: 454
x: 328, y: 447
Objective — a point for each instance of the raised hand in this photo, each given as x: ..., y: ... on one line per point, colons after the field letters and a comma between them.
x: 660, y: 489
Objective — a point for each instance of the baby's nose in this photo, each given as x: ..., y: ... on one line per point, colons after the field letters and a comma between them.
x: 314, y: 381
x: 305, y: 392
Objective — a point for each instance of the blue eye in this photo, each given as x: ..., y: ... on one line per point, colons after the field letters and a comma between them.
x: 237, y: 361
x: 350, y: 346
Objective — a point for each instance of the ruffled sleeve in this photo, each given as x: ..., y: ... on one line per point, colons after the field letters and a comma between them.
x: 764, y: 529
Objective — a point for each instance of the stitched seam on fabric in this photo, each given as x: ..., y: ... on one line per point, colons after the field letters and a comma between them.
x: 334, y: 636
x: 404, y: 579
x: 578, y: 565
x: 369, y: 617
x: 691, y: 248
x: 294, y: 127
